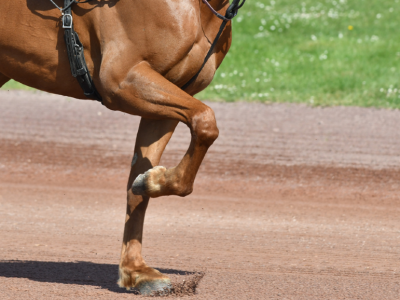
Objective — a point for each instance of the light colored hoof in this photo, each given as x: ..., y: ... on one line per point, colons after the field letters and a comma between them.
x: 159, y: 286
x: 147, y: 184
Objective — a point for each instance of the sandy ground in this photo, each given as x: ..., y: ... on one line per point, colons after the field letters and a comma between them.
x: 292, y: 202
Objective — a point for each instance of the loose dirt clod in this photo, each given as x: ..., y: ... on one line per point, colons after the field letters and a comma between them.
x: 185, y: 288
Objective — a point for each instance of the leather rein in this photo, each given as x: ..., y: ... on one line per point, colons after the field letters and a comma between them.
x: 75, y: 49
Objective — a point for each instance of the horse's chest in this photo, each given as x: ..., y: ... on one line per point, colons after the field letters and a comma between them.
x: 204, y: 78
x: 190, y: 66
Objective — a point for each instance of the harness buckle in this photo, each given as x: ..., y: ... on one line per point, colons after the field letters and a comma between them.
x: 67, y: 21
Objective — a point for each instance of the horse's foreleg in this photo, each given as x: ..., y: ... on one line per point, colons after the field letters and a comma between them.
x: 3, y: 79
x: 146, y: 93
x: 179, y: 180
x: 152, y: 137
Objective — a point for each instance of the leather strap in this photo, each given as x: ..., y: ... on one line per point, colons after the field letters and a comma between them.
x: 210, y: 52
x: 231, y: 12
x: 76, y: 56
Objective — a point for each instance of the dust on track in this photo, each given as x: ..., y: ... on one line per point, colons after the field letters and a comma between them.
x: 292, y: 202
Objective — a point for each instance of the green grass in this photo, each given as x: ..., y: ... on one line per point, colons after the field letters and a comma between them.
x: 14, y: 85
x: 303, y: 51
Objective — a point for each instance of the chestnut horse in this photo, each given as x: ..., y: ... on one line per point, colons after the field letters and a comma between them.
x: 139, y: 53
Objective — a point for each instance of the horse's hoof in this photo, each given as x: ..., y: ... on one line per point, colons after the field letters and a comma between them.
x: 148, y: 184
x: 159, y: 286
x: 139, y: 185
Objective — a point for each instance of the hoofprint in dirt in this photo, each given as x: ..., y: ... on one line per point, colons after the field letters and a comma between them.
x: 291, y: 202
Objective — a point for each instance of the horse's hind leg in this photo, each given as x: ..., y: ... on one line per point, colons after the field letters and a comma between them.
x: 3, y: 80
x: 146, y: 93
x: 152, y: 137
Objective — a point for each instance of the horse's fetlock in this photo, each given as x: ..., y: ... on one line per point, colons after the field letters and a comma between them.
x: 183, y: 191
x: 186, y: 191
x: 179, y: 187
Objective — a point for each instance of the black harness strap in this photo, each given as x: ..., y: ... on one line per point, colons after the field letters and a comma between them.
x: 231, y: 12
x: 210, y: 52
x: 76, y: 56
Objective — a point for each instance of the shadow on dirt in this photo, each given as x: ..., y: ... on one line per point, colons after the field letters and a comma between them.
x: 81, y: 272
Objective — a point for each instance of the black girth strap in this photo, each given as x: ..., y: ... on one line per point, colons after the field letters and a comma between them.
x: 75, y: 53
x: 231, y: 12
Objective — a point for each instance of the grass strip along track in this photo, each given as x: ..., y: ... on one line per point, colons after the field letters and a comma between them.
x: 328, y: 52
x: 318, y: 52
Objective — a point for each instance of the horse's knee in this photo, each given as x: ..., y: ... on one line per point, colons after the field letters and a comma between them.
x: 205, y: 127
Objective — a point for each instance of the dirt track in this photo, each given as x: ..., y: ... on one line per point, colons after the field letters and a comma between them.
x: 291, y: 202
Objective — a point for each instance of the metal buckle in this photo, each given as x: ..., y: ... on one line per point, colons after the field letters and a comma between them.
x: 63, y: 21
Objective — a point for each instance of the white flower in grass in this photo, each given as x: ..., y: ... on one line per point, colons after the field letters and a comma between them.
x: 374, y: 38
x: 313, y: 37
x: 223, y: 75
x: 378, y: 16
x: 340, y: 35
x: 272, y: 28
